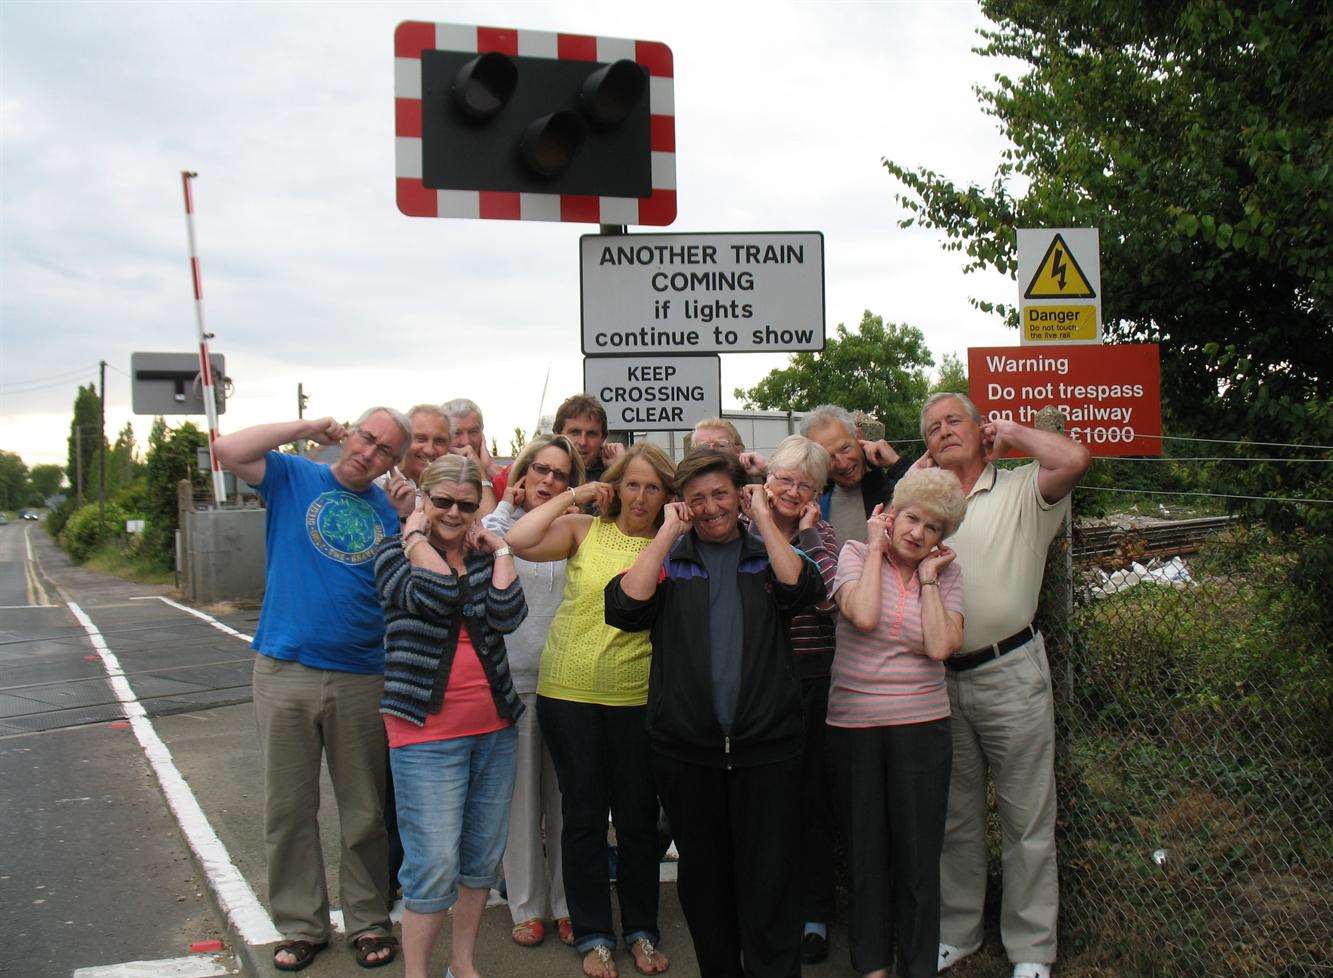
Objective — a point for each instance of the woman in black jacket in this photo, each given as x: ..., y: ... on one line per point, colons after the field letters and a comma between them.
x: 724, y: 711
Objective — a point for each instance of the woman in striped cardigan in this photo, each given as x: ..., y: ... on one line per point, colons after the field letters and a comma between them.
x: 450, y: 593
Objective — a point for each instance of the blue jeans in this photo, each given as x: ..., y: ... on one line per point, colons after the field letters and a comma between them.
x: 453, y: 814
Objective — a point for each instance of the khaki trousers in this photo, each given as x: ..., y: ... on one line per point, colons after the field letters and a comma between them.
x: 1004, y: 720
x: 303, y: 713
x: 534, y: 873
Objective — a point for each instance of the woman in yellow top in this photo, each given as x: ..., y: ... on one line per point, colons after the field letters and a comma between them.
x: 592, y: 694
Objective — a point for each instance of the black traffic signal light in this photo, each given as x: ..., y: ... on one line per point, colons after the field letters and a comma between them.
x: 535, y: 125
x: 474, y: 114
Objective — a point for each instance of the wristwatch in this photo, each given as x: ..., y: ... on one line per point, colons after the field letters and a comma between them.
x: 503, y: 552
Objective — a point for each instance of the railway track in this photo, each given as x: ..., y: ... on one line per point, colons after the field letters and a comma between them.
x: 1140, y: 540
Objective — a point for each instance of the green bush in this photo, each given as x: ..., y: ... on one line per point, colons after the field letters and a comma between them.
x: 56, y: 519
x: 89, y: 528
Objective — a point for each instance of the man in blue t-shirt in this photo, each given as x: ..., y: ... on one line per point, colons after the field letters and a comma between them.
x: 320, y: 671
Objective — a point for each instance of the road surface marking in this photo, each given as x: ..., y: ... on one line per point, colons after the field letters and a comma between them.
x: 194, y: 966
x: 233, y: 892
x: 15, y: 607
x: 36, y: 593
x: 198, y: 614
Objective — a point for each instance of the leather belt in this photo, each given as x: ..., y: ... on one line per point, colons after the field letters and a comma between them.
x: 970, y: 660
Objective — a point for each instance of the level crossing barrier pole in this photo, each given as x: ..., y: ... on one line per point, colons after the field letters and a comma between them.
x: 205, y: 368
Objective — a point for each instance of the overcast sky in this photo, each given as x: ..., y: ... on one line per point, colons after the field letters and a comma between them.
x: 783, y: 113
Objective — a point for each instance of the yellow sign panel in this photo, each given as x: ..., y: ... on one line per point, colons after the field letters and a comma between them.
x: 1058, y: 276
x: 1060, y: 323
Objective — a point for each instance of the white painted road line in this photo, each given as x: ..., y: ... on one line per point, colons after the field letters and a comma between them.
x: 233, y: 893
x: 198, y: 614
x: 194, y: 966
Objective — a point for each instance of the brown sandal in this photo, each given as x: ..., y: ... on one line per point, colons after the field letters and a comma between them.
x: 368, y: 944
x: 303, y: 951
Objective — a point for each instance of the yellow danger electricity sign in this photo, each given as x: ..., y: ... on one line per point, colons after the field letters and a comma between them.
x: 1059, y: 276
x: 1059, y: 285
x: 1060, y: 324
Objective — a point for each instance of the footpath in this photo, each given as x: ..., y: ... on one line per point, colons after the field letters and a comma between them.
x: 207, y: 736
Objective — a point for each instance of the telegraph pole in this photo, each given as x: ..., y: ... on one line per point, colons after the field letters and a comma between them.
x: 301, y: 398
x: 101, y: 444
x: 78, y: 460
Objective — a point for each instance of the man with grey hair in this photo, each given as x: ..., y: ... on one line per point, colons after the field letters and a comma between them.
x: 1002, y: 712
x: 319, y: 673
x: 862, y: 473
x: 430, y: 440
x: 469, y: 436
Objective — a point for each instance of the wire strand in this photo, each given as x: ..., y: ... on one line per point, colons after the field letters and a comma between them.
x: 1210, y: 495
x: 1210, y: 458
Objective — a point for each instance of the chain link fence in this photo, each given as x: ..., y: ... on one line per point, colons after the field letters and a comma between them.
x: 1193, y: 754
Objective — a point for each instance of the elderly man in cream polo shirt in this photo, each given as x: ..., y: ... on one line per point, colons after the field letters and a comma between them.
x: 1000, y: 685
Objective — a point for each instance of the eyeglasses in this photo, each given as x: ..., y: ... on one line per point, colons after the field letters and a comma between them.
x: 382, y: 449
x: 543, y: 470
x: 445, y: 502
x: 782, y: 484
x: 721, y: 444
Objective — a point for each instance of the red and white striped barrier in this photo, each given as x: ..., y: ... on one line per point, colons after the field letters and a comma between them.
x: 415, y: 199
x: 205, y: 369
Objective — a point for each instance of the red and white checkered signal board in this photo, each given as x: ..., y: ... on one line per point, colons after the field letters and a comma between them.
x: 415, y: 199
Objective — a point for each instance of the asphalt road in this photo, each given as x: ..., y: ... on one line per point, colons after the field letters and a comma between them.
x: 93, y: 870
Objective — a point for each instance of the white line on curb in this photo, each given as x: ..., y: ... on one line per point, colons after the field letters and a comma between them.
x: 234, y: 895
x: 194, y: 966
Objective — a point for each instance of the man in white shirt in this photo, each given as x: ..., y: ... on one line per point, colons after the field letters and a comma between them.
x: 1003, y: 715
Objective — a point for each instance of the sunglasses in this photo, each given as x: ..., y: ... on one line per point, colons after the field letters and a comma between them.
x: 445, y: 502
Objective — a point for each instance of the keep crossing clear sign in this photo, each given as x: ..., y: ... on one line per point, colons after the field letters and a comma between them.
x: 755, y: 292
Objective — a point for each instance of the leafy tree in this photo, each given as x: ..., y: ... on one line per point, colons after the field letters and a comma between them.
x: 45, y: 479
x: 123, y: 464
x: 13, y: 481
x: 952, y: 376
x: 517, y: 442
x: 880, y: 369
x: 83, y: 437
x: 172, y: 456
x: 1196, y: 136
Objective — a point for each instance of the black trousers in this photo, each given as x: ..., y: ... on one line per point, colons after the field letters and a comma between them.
x: 738, y: 883
x: 603, y: 761
x: 817, y: 792
x: 893, y: 794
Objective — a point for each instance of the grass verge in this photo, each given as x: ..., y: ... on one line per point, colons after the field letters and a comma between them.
x: 108, y: 559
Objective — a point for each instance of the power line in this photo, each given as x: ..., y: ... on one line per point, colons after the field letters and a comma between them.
x: 1224, y: 441
x: 63, y: 373
x: 1212, y: 458
x: 1210, y: 495
x: 37, y: 387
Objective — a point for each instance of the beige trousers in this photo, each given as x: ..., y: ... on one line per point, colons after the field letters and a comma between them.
x: 534, y: 876
x: 303, y: 713
x: 1003, y: 720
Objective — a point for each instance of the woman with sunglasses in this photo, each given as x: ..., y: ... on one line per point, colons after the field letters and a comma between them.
x: 534, y: 881
x: 450, y: 593
x: 592, y: 693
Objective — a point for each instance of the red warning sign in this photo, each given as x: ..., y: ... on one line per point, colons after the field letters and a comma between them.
x: 1111, y: 396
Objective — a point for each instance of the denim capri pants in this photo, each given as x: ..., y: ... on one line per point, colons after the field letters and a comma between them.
x: 453, y: 814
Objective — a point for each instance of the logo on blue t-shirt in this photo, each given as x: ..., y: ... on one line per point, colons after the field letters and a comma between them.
x: 343, y: 527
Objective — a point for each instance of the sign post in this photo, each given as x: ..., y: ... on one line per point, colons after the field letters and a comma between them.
x: 757, y: 292
x: 1059, y: 285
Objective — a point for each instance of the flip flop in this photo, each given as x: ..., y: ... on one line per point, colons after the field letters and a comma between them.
x: 303, y: 951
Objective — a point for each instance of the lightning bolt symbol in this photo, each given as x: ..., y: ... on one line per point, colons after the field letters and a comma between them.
x: 1058, y: 267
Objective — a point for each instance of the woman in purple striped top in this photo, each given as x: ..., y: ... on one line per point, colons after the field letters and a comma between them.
x: 901, y: 598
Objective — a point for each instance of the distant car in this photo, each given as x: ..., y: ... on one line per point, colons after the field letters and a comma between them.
x: 28, y: 514
x: 3, y: 519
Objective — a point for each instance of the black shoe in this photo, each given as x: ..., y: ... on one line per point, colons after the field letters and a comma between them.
x: 814, y: 949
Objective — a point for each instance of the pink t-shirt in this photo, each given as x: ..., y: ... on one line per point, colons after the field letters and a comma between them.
x: 884, y: 678
x: 468, y: 710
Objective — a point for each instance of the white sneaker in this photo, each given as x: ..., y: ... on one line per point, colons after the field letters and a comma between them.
x: 950, y: 956
x: 1032, y: 969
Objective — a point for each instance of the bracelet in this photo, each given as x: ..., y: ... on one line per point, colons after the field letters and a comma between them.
x: 503, y: 552
x: 934, y: 583
x: 407, y: 548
